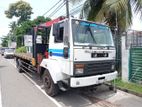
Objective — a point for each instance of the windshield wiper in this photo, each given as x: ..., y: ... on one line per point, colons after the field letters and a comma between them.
x: 91, y: 33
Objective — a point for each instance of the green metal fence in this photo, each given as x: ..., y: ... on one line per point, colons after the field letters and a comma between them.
x: 135, y: 65
x: 117, y: 40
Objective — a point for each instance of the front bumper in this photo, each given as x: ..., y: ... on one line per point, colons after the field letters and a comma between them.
x: 92, y: 80
x: 9, y: 55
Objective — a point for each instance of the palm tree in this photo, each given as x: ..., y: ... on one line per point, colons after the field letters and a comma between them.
x: 113, y: 12
x: 12, y: 26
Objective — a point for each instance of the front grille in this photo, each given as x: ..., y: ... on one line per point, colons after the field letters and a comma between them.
x: 97, y: 67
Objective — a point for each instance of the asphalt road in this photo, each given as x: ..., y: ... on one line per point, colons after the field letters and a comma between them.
x: 17, y: 91
x: 26, y: 90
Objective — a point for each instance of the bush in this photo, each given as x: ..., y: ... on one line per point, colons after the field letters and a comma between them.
x: 129, y: 86
x: 21, y: 49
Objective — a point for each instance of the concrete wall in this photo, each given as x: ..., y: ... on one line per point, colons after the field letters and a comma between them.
x: 125, y: 61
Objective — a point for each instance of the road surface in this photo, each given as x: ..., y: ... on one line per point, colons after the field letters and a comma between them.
x: 24, y: 90
x: 18, y: 91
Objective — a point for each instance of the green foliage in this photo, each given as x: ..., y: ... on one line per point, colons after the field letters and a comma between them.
x: 27, y: 26
x: 20, y: 9
x: 5, y: 41
x: 40, y: 19
x: 21, y: 49
x: 19, y: 41
x: 129, y: 86
x: 113, y: 12
x: 12, y: 26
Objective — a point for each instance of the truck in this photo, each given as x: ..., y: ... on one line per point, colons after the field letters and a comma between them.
x: 74, y: 53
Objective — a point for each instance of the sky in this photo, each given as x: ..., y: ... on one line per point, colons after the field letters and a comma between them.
x: 137, y: 23
x: 39, y: 8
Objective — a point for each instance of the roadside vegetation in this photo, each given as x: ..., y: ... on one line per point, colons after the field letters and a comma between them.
x: 23, y: 26
x: 116, y: 13
x: 21, y: 49
x: 129, y: 86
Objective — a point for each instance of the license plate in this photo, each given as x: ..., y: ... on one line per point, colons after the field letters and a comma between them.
x: 94, y: 55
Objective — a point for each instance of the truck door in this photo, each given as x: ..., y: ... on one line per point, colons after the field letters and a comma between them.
x: 59, y: 46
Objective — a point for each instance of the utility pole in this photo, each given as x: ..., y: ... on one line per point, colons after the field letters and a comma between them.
x: 67, y: 8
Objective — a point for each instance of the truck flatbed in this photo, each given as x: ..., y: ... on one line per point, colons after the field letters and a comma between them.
x: 26, y: 56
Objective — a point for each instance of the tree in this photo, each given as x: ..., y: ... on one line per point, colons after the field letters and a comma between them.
x: 113, y: 12
x: 12, y: 26
x: 26, y: 28
x: 5, y: 41
x: 41, y: 19
x: 21, y: 9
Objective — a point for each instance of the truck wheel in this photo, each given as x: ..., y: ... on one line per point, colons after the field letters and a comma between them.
x: 112, y: 88
x: 50, y: 88
x: 18, y: 64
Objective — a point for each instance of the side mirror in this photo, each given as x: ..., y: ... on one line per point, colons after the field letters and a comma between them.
x: 66, y: 52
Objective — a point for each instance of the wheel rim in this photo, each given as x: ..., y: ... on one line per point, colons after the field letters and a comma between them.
x: 47, y: 82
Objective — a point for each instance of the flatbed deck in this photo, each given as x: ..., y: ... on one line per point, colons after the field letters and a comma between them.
x: 26, y: 56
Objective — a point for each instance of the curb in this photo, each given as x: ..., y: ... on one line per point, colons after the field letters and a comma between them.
x: 126, y: 90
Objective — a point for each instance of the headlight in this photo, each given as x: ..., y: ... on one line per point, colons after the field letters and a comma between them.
x: 79, y: 71
x: 79, y: 68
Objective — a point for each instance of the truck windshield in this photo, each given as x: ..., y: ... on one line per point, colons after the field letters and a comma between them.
x: 87, y: 33
x: 9, y: 50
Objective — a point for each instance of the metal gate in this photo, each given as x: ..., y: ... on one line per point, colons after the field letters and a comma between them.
x: 134, y: 43
x: 135, y: 65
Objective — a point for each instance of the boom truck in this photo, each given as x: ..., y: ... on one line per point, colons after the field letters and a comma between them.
x: 77, y: 53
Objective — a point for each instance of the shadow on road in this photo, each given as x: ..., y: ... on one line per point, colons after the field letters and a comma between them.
x: 80, y: 97
x: 1, y: 66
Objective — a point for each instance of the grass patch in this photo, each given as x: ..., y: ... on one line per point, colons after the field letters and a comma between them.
x: 129, y: 86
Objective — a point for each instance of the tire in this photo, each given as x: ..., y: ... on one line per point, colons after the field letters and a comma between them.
x: 111, y: 88
x: 50, y: 88
x: 18, y: 65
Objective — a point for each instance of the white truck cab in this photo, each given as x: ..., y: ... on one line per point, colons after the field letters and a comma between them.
x: 81, y: 53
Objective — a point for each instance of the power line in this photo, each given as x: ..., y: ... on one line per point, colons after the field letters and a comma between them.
x: 57, y: 9
x: 51, y: 8
x: 73, y: 11
x: 76, y: 9
x: 62, y: 12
